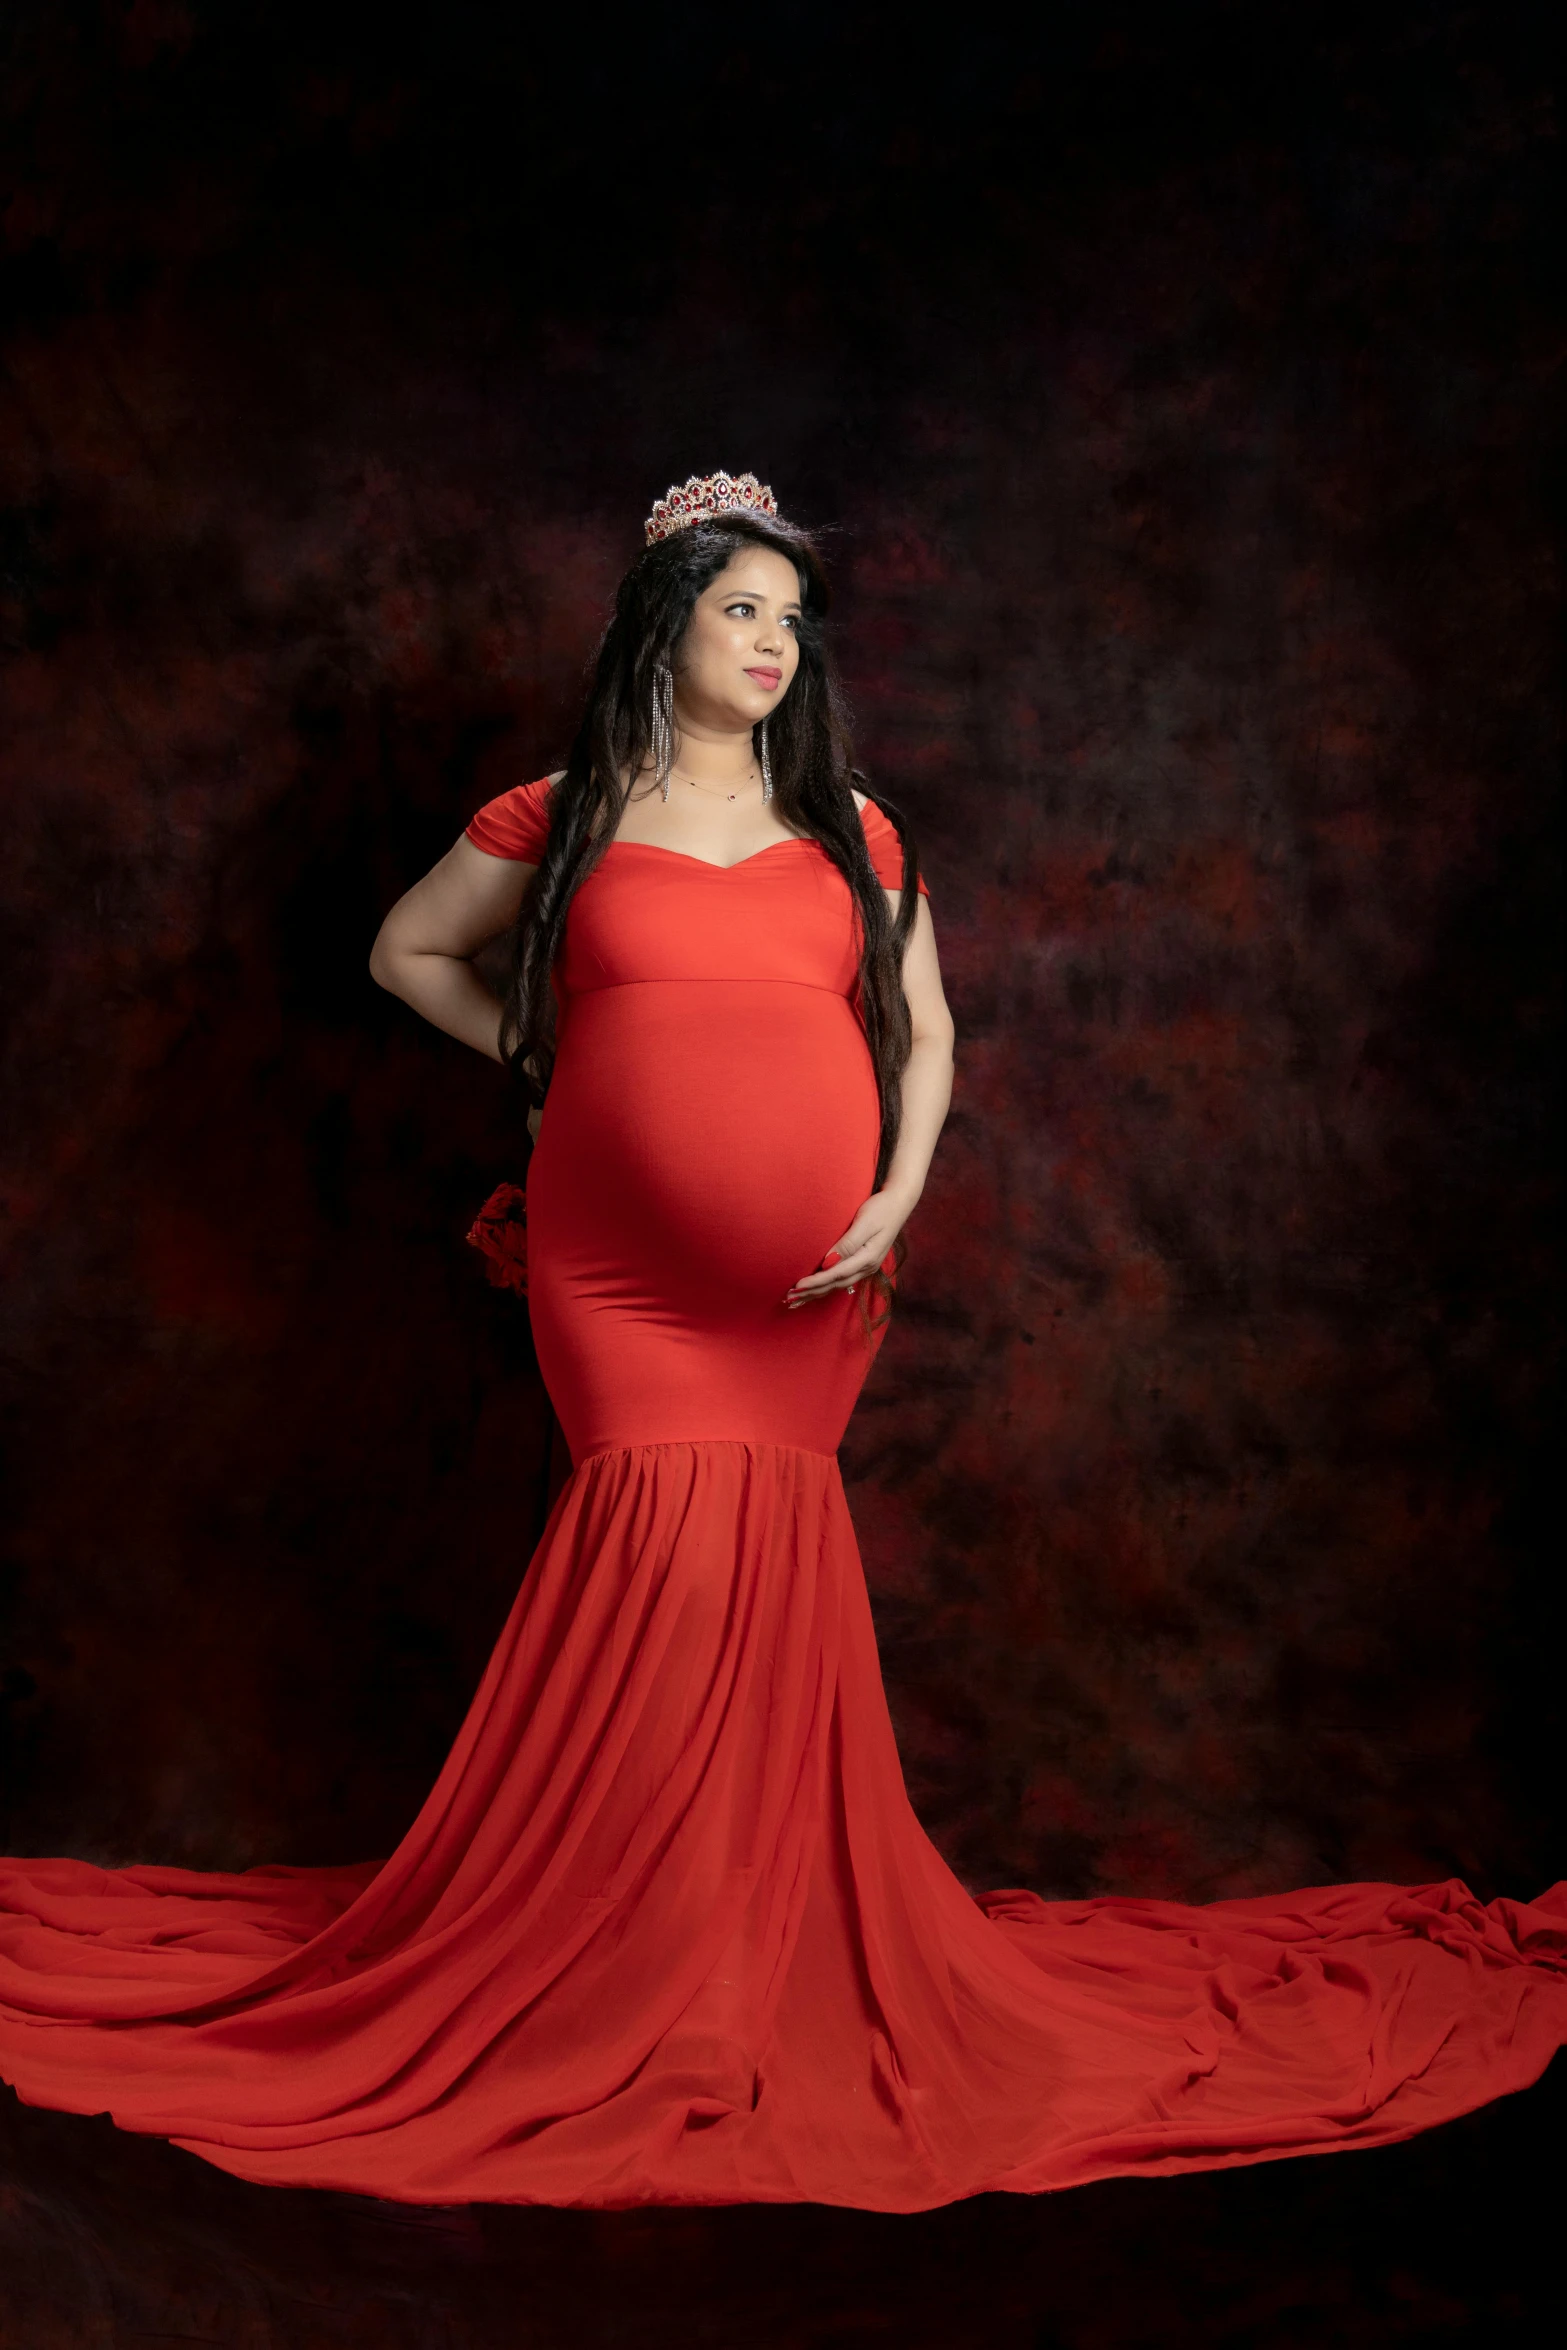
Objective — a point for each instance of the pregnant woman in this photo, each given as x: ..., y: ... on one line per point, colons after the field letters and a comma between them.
x: 667, y: 1929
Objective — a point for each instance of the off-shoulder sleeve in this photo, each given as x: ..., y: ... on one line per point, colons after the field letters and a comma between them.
x: 516, y: 825
x: 886, y: 849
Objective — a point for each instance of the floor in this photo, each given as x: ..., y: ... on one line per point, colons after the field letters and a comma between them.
x: 108, y: 2240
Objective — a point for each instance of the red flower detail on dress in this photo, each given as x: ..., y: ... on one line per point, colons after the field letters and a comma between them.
x: 500, y: 1233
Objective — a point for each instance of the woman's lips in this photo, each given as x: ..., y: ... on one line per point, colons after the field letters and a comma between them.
x: 766, y: 678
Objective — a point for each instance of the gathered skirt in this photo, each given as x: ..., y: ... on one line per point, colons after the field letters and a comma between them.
x: 667, y: 1930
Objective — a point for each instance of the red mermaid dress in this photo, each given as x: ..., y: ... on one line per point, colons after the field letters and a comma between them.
x: 667, y: 1929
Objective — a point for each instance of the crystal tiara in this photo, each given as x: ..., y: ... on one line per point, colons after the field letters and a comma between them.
x: 704, y: 495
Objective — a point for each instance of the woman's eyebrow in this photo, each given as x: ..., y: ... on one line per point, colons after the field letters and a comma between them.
x: 759, y: 596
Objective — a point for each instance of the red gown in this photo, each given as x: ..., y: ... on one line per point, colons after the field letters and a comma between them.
x: 667, y: 1929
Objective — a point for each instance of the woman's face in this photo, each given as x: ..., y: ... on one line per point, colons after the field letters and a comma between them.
x: 739, y: 654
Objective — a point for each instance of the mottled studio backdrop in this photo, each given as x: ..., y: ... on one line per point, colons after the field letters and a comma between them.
x: 1173, y: 381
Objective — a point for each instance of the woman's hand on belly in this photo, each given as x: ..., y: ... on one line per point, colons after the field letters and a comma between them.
x: 926, y: 1091
x: 863, y: 1247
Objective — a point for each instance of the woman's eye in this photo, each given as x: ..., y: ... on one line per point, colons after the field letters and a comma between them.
x: 748, y: 612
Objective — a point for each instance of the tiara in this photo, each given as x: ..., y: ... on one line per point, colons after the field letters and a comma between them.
x: 705, y: 495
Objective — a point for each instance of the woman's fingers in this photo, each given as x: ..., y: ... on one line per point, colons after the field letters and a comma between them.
x: 842, y: 1267
x: 863, y: 1248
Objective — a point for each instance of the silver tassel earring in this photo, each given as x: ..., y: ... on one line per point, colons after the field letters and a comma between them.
x: 663, y: 742
x: 767, y: 771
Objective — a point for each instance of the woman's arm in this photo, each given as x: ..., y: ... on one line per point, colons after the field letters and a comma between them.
x: 424, y: 949
x: 926, y: 1091
x: 927, y: 1081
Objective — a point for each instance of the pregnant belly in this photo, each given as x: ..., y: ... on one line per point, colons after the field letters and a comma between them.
x: 703, y: 1145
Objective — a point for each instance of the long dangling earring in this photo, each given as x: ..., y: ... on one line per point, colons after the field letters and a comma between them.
x: 767, y: 771
x: 663, y: 730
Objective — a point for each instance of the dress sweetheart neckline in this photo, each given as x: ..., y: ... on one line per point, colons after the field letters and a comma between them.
x: 795, y: 840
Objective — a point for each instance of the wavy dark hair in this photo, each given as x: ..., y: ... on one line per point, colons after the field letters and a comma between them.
x: 814, y: 780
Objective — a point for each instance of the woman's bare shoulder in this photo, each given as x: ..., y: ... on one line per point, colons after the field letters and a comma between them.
x: 860, y: 801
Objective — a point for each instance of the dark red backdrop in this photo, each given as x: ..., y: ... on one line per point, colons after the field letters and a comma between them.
x: 1174, y: 384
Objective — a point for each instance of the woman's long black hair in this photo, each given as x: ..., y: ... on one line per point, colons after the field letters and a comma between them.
x: 814, y: 780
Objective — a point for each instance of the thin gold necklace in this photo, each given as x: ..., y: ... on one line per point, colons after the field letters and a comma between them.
x: 712, y: 793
